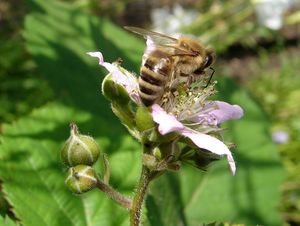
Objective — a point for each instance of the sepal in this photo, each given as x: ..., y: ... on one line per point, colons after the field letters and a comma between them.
x: 144, y: 119
x: 126, y: 116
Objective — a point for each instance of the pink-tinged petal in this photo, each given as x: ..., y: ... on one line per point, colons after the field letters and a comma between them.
x: 97, y: 55
x: 211, y: 144
x: 117, y: 75
x: 120, y: 76
x: 226, y: 112
x: 166, y: 123
x: 110, y: 67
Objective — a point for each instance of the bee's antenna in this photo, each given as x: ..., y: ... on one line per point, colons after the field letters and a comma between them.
x: 213, y: 71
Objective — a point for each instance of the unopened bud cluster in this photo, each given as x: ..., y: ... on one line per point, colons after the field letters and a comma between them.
x: 80, y: 152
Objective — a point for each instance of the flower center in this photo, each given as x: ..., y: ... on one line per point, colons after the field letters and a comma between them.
x: 187, y: 103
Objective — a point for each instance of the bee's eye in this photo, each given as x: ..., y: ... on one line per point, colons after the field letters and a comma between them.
x: 208, y: 61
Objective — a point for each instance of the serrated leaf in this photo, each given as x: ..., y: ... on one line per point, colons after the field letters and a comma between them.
x: 33, y: 177
x: 58, y: 36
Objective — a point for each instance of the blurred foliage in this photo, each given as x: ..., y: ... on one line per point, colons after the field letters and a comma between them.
x: 218, y: 21
x: 3, y: 205
x: 276, y: 85
x: 21, y: 88
x: 6, y: 221
x: 29, y: 147
x: 103, y: 7
x: 222, y: 24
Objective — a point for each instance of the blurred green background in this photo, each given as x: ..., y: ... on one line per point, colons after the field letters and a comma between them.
x: 47, y: 81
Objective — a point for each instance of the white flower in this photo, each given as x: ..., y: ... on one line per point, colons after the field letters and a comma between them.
x: 170, y: 20
x: 190, y: 115
x: 280, y: 137
x: 169, y: 123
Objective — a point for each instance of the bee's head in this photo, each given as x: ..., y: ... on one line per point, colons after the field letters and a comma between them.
x: 200, y: 58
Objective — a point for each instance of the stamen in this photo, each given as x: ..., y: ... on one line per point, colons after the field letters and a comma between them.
x: 191, y: 103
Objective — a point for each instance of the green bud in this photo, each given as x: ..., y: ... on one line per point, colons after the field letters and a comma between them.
x: 79, y: 149
x: 114, y: 92
x: 81, y: 179
x: 144, y: 119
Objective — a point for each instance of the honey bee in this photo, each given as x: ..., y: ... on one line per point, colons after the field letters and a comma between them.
x: 169, y: 62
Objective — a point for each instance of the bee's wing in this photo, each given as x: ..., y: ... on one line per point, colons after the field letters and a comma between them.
x: 157, y: 40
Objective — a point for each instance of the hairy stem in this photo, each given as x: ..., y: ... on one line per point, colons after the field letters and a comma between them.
x: 114, y: 195
x: 136, y: 210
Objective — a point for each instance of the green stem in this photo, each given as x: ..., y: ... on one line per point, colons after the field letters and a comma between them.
x: 136, y: 209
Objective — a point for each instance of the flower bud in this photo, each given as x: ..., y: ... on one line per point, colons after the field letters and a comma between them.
x: 79, y: 149
x: 114, y: 92
x: 81, y: 179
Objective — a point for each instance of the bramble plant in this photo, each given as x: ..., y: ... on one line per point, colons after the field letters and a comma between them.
x: 47, y: 81
x: 185, y: 128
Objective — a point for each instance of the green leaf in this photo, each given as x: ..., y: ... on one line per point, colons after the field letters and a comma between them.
x: 33, y: 177
x: 7, y: 221
x: 164, y: 204
x: 58, y: 36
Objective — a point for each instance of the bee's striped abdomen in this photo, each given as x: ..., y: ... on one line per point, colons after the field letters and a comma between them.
x: 153, y: 76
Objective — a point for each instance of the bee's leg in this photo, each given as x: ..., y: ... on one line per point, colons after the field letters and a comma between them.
x: 213, y: 71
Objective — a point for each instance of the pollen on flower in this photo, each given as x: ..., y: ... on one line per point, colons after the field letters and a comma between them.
x: 192, y: 107
x: 188, y: 102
